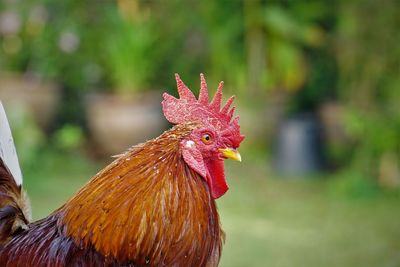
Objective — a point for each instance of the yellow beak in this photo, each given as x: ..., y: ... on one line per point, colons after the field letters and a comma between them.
x: 230, y: 153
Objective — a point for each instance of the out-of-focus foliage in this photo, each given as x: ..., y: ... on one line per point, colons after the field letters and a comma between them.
x: 369, y: 61
x: 129, y: 47
x: 28, y: 137
x: 53, y: 39
x: 69, y: 137
x: 287, y: 34
x: 134, y: 44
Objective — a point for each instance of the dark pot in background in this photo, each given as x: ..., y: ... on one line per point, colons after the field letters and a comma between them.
x: 40, y: 97
x: 116, y: 122
x: 299, y: 148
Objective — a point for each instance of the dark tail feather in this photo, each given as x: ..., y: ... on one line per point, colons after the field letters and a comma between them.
x: 14, y: 206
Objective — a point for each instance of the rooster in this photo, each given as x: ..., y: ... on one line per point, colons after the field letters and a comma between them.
x: 153, y: 206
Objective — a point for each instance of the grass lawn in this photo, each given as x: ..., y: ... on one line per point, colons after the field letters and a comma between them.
x: 275, y: 222
x: 268, y: 221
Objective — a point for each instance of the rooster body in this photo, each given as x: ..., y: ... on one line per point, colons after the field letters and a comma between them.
x: 153, y: 206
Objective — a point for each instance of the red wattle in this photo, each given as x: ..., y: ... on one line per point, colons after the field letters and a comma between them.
x: 216, y: 178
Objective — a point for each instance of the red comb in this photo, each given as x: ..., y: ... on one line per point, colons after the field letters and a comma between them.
x: 188, y: 109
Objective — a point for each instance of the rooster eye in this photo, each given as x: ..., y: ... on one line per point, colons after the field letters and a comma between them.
x: 206, y: 138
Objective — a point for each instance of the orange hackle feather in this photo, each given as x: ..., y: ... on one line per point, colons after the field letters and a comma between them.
x: 148, y: 207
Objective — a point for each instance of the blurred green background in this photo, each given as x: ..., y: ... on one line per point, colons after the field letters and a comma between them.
x: 317, y: 86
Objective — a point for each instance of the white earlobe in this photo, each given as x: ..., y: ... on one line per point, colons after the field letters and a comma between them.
x: 193, y: 158
x: 189, y: 144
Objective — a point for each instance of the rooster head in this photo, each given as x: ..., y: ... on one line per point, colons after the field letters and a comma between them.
x: 216, y: 136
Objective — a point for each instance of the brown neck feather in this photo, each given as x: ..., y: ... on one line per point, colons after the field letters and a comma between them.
x: 148, y: 207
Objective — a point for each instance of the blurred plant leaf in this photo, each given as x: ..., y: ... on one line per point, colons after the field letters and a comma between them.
x: 69, y: 137
x: 288, y: 65
x: 28, y: 137
x: 128, y: 55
